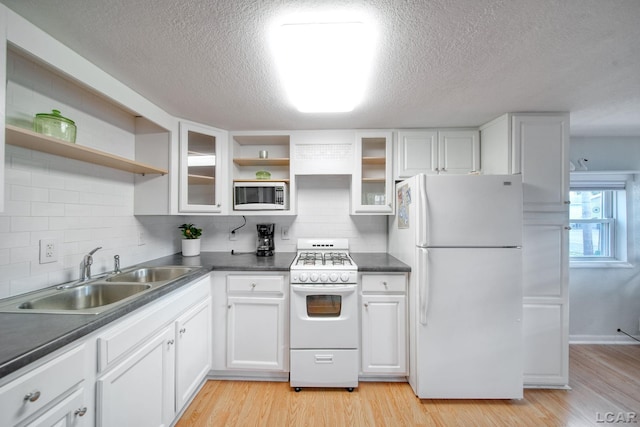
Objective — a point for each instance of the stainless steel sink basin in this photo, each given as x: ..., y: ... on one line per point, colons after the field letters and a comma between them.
x: 151, y: 274
x: 97, y: 295
x: 84, y: 297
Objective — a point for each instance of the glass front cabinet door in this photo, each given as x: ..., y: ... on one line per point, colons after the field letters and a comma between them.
x: 372, y: 182
x: 201, y: 168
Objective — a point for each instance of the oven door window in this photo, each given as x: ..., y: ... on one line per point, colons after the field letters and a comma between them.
x: 324, y: 305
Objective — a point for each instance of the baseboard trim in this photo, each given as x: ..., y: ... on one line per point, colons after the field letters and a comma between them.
x: 602, y: 339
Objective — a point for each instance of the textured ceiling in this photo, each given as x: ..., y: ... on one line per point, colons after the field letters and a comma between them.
x: 439, y: 62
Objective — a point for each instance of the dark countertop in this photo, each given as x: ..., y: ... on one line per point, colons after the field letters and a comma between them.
x: 26, y: 337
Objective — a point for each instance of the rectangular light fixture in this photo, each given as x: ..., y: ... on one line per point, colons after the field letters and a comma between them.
x: 324, y: 66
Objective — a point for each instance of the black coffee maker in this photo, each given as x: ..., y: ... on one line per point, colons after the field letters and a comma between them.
x: 265, y: 239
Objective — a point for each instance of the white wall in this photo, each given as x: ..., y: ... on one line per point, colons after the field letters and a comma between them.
x: 605, y: 299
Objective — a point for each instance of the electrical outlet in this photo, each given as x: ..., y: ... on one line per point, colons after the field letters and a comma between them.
x: 141, y: 240
x: 48, y: 251
x: 285, y: 233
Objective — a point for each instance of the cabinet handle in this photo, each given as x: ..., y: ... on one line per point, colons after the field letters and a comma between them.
x: 32, y: 397
x: 183, y: 330
x: 567, y: 202
x: 437, y: 169
x: 253, y: 285
x: 366, y: 305
x: 567, y: 228
x: 170, y: 343
x: 80, y: 412
x: 385, y: 284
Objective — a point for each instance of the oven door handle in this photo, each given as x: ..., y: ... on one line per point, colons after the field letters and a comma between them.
x: 322, y: 289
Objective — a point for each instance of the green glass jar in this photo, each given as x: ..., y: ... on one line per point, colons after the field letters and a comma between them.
x: 55, y: 125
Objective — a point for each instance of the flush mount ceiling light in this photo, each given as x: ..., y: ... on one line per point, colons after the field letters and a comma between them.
x: 324, y: 66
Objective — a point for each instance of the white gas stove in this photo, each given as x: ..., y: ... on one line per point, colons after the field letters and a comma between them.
x: 323, y: 261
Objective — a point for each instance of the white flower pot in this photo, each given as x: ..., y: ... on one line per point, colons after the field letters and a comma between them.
x: 190, y: 247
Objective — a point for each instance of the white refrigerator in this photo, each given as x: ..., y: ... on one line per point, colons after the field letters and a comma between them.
x: 462, y: 236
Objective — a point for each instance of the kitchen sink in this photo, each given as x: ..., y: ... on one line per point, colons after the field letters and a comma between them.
x: 96, y: 295
x: 84, y: 297
x: 151, y: 274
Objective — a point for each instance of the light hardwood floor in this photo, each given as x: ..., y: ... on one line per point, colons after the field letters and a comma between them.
x: 604, y: 381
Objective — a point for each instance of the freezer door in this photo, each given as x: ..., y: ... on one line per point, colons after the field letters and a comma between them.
x: 469, y: 336
x: 471, y: 211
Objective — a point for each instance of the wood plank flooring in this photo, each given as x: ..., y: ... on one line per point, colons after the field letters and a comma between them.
x: 604, y: 380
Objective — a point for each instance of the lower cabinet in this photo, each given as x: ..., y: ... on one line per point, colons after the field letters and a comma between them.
x: 139, y: 391
x: 250, y: 325
x: 383, y: 324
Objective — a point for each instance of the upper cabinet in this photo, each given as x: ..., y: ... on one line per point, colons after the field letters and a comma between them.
x: 437, y: 152
x: 261, y: 157
x: 202, y: 164
x: 372, y: 181
x: 535, y: 145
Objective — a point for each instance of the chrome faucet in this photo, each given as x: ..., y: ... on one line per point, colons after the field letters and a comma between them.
x: 116, y: 264
x: 85, y: 271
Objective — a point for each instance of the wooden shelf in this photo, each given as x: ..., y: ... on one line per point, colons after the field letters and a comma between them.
x: 200, y: 180
x: 373, y: 160
x: 261, y: 162
x: 263, y: 180
x: 34, y: 141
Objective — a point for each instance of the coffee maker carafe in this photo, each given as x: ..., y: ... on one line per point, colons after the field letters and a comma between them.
x: 265, y: 240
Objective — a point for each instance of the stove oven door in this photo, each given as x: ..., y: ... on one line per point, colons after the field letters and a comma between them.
x: 324, y: 316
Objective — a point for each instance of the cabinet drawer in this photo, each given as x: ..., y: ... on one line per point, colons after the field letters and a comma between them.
x: 384, y: 283
x: 45, y: 383
x: 255, y: 284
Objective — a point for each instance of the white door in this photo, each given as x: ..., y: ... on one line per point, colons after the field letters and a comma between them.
x: 256, y: 333
x: 324, y: 316
x: 458, y: 151
x: 470, y: 210
x: 469, y: 337
x: 193, y: 351
x: 384, y: 334
x: 140, y: 390
x: 417, y: 153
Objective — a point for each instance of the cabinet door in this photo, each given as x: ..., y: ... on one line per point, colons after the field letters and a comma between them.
x: 417, y: 152
x: 193, y: 351
x: 372, y: 182
x: 140, y: 390
x: 546, y: 349
x: 384, y: 332
x: 540, y: 152
x: 255, y: 333
x: 458, y: 152
x: 201, y: 168
x: 70, y: 412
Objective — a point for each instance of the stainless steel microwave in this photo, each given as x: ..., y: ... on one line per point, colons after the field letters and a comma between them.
x: 260, y: 196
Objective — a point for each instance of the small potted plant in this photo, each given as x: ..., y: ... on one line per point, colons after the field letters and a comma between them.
x: 191, y: 239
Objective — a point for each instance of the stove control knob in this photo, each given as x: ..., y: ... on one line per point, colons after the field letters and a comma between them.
x: 314, y: 277
x: 344, y: 277
x: 323, y: 277
x: 304, y: 277
x: 333, y: 277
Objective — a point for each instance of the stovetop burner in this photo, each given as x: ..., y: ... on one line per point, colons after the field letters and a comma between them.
x: 323, y: 261
x: 327, y: 258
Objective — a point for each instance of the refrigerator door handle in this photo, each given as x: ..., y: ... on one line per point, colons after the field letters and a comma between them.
x: 423, y: 208
x: 423, y: 284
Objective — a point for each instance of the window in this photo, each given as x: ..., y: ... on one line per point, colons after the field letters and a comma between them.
x: 597, y: 217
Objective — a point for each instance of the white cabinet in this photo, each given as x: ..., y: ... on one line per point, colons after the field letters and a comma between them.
x: 139, y: 391
x: 70, y: 412
x: 151, y: 363
x: 31, y: 394
x: 384, y: 324
x: 437, y: 151
x: 535, y: 145
x: 202, y: 169
x: 193, y: 351
x: 372, y: 181
x: 257, y: 319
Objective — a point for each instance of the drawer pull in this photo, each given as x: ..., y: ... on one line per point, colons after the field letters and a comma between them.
x: 170, y: 343
x: 80, y: 412
x: 183, y: 330
x: 366, y: 305
x: 253, y: 285
x: 32, y: 397
x: 385, y: 284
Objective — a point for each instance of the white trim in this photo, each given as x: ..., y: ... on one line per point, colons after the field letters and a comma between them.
x: 602, y: 339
